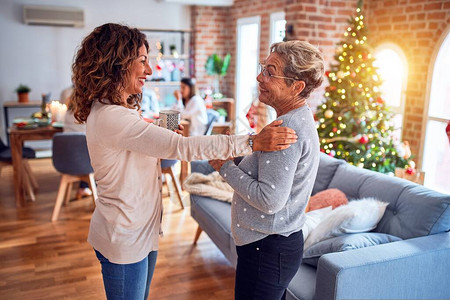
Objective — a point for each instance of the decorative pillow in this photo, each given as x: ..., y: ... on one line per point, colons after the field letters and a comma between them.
x: 330, y: 197
x: 344, y: 243
x: 357, y: 216
x: 313, y: 218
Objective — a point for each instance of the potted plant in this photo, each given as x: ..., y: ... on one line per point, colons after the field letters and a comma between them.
x: 23, y: 93
x: 217, y: 67
x: 222, y: 115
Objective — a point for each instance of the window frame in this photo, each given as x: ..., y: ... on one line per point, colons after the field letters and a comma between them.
x: 426, y: 117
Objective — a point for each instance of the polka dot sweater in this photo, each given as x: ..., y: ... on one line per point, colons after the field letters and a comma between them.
x: 271, y: 189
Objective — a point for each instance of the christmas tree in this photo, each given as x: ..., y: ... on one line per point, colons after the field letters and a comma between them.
x: 354, y: 122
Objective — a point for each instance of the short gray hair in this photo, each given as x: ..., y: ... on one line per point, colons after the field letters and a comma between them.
x: 303, y: 62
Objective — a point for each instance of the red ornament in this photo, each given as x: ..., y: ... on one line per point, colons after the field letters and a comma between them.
x: 380, y: 100
x: 364, y: 139
x: 321, y: 150
x: 332, y: 88
x: 410, y: 171
x: 364, y: 55
x: 334, y: 129
x: 327, y: 73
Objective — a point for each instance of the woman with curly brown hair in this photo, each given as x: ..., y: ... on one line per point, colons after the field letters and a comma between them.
x: 108, y: 74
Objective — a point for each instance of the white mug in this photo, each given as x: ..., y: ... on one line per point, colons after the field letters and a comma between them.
x: 169, y: 119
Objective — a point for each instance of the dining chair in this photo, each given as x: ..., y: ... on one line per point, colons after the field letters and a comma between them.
x: 71, y: 159
x: 29, y: 180
x: 212, y: 117
x: 167, y: 167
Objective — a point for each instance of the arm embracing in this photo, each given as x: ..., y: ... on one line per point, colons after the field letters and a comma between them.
x: 122, y: 129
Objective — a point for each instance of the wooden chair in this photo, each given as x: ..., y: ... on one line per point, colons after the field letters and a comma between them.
x: 30, y: 184
x: 167, y: 168
x: 71, y: 159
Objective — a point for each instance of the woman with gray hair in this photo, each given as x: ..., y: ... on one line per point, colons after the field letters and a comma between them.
x: 273, y: 188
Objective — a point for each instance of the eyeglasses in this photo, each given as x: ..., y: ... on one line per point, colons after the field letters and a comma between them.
x: 266, y: 74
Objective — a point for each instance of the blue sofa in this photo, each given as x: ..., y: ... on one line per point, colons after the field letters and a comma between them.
x: 417, y: 267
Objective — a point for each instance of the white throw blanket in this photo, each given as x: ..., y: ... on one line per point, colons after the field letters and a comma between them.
x: 211, y: 185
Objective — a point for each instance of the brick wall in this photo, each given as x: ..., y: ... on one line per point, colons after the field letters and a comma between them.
x: 319, y: 22
x: 416, y: 27
x: 322, y: 23
x: 210, y: 34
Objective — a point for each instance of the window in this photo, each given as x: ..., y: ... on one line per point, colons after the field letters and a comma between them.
x: 246, y: 69
x: 393, y: 69
x: 436, y: 148
x: 277, y: 27
x: 277, y: 34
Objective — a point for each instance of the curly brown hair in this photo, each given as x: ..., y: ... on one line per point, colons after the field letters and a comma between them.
x: 101, y: 68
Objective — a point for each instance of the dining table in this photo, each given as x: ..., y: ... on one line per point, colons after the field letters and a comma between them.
x: 17, y: 137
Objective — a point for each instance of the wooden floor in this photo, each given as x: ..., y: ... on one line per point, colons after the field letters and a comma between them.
x: 44, y: 260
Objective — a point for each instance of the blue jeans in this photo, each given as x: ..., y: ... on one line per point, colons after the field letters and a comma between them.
x: 266, y: 267
x: 127, y: 281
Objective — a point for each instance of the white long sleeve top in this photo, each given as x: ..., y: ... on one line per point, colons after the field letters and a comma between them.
x: 195, y: 112
x: 125, y: 152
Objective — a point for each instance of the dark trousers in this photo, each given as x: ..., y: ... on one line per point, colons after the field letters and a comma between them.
x: 265, y: 267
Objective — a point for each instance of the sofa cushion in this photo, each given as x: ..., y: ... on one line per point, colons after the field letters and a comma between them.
x: 357, y: 216
x: 418, y: 211
x: 214, y: 217
x: 325, y: 198
x: 327, y: 168
x: 303, y: 285
x: 344, y: 243
x: 413, y: 210
x: 313, y: 218
x: 201, y: 166
x: 349, y: 179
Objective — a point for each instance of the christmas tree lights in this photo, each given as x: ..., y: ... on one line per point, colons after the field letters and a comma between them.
x: 354, y: 122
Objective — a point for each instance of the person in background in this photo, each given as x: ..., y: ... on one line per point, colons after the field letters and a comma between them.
x: 125, y: 153
x: 150, y: 103
x: 72, y: 125
x: 272, y: 188
x: 191, y: 106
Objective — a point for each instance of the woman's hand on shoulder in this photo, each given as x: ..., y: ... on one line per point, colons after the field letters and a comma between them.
x: 273, y: 137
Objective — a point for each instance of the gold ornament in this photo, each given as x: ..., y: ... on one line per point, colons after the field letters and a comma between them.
x: 328, y: 114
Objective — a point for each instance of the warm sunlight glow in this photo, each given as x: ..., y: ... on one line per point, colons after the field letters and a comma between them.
x: 392, y: 71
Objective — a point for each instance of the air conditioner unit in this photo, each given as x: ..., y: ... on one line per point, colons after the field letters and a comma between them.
x: 202, y: 2
x: 53, y: 16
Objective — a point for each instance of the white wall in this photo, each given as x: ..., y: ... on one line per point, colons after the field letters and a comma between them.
x: 41, y: 56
